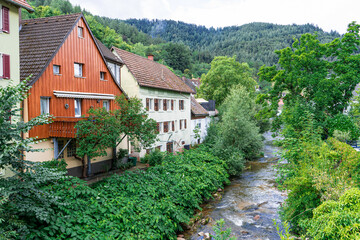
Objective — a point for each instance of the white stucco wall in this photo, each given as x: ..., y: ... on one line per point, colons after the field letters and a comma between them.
x: 204, y: 124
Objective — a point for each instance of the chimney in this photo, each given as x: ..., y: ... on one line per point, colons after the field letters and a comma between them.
x: 151, y: 57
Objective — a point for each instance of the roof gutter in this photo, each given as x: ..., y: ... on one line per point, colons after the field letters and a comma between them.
x: 20, y: 5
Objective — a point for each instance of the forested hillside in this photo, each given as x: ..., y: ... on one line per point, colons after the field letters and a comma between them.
x: 254, y: 43
x: 196, y: 46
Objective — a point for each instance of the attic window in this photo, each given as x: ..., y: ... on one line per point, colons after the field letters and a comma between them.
x: 80, y: 32
x: 102, y: 75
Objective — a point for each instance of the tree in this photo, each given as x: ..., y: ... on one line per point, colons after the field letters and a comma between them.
x: 106, y: 129
x: 225, y: 73
x: 320, y: 75
x: 22, y: 192
x: 177, y: 56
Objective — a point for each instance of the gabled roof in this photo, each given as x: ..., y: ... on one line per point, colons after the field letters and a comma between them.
x: 40, y: 39
x: 196, y: 109
x: 21, y: 3
x: 108, y: 54
x: 149, y: 73
x: 192, y: 83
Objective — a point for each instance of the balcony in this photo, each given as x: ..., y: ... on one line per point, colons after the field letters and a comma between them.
x: 64, y: 127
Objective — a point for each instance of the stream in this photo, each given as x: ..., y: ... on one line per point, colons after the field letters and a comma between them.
x: 251, y: 202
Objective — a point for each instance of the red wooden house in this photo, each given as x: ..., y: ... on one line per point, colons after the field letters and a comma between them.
x: 69, y: 75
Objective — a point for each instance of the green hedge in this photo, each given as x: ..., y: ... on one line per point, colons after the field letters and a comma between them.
x: 136, y: 205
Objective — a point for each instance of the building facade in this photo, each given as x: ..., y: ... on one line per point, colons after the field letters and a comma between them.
x: 165, y: 96
x: 69, y: 76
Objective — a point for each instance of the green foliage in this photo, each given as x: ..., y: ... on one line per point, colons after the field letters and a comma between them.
x: 177, y: 56
x: 225, y: 74
x: 135, y: 205
x: 337, y: 219
x: 59, y: 164
x: 22, y: 192
x: 154, y: 158
x: 309, y: 67
x: 106, y: 129
x: 283, y: 235
x: 220, y: 232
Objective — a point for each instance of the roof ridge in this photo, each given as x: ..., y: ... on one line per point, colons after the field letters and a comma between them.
x: 49, y: 18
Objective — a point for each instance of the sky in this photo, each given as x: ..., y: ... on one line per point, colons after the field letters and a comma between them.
x: 327, y: 14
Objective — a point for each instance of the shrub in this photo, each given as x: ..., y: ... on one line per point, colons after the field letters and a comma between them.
x: 154, y: 158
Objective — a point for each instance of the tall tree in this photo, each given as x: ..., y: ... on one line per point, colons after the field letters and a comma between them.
x: 22, y: 192
x: 225, y: 73
x: 321, y: 75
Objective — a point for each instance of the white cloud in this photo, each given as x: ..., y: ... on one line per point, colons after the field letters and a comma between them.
x: 329, y: 15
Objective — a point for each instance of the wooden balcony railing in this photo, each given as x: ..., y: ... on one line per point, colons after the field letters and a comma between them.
x: 64, y: 127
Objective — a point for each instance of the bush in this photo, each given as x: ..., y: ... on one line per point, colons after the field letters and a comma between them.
x: 337, y: 219
x: 154, y: 158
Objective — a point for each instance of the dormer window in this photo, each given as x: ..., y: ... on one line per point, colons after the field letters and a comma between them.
x: 80, y: 32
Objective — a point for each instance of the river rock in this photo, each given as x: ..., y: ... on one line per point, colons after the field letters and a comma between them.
x: 207, y: 235
x: 180, y: 236
x: 219, y: 190
x: 257, y: 217
x: 201, y: 234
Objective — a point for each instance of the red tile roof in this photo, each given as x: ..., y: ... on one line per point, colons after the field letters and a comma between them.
x: 107, y: 53
x: 197, y: 109
x: 21, y: 3
x: 149, y: 73
x: 40, y: 39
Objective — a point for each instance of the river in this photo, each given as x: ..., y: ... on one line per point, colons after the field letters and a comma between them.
x: 251, y: 202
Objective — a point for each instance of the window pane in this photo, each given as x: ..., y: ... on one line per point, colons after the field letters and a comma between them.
x: 106, y: 105
x: 44, y: 105
x: 77, y: 108
x: 56, y: 69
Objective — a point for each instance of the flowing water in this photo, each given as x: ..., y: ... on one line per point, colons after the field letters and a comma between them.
x: 250, y: 202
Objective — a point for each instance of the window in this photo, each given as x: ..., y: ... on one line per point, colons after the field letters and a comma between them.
x: 78, y: 69
x: 4, y: 66
x: 5, y: 20
x: 80, y: 32
x: 102, y: 75
x: 56, y: 69
x: 71, y: 148
x: 181, y: 105
x: 106, y: 105
x: 156, y: 104
x: 166, y: 127
x: 44, y: 105
x: 199, y: 125
x: 165, y: 105
x: 169, y: 147
x: 60, y: 147
x: 160, y: 104
x: 77, y: 107
x: 151, y: 102
x: 147, y: 104
x: 168, y: 102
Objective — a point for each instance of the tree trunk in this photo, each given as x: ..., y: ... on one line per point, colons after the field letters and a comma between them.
x: 83, y: 167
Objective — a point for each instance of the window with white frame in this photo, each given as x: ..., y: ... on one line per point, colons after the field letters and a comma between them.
x: 56, y: 69
x: 168, y: 105
x: 77, y: 105
x: 44, y: 105
x: 161, y: 127
x: 102, y: 75
x: 78, y: 69
x: 160, y: 104
x: 106, y: 105
x: 80, y: 32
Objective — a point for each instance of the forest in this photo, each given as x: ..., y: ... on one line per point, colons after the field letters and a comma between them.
x: 196, y: 46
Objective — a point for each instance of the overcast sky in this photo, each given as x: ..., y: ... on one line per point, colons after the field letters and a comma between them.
x: 327, y: 14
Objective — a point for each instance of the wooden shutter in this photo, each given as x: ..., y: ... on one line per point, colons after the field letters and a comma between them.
x: 147, y: 104
x: 173, y: 126
x: 166, y: 127
x: 157, y: 127
x: 165, y: 105
x: 6, y: 20
x: 184, y: 123
x: 172, y: 105
x: 156, y: 104
x: 6, y: 66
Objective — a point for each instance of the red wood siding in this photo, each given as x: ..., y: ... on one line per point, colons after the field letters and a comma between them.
x: 74, y: 49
